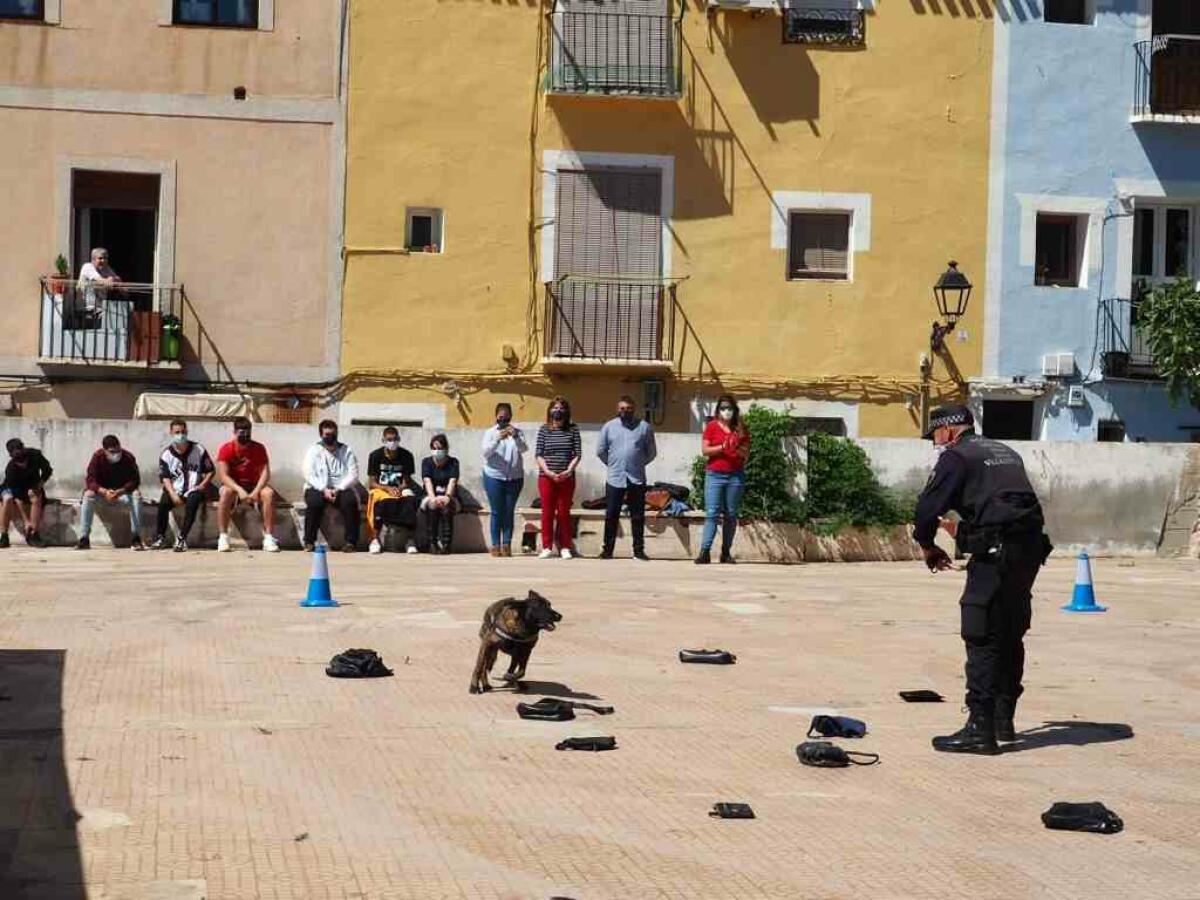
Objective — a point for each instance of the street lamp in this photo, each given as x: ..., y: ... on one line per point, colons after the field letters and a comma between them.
x: 952, y: 293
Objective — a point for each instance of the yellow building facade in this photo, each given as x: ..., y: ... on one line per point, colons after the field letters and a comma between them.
x: 595, y: 199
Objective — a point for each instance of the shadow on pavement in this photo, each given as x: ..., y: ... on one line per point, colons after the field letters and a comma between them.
x: 1069, y: 734
x: 553, y: 689
x: 39, y: 846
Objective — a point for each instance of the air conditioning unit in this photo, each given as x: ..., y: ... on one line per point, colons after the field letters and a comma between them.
x: 1075, y: 396
x: 754, y: 5
x: 1058, y: 365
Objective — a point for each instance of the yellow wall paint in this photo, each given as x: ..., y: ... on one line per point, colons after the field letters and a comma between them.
x: 444, y: 112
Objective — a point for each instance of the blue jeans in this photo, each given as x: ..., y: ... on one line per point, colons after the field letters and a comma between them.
x: 133, y: 501
x: 502, y: 499
x: 722, y: 497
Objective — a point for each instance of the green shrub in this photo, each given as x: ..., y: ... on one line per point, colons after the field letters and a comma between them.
x: 843, y: 490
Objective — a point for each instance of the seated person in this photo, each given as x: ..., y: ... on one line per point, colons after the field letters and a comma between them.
x: 112, y: 477
x: 24, y: 489
x: 439, y: 474
x: 391, y: 500
x: 244, y: 473
x: 330, y: 479
x: 186, y: 472
x: 91, y: 276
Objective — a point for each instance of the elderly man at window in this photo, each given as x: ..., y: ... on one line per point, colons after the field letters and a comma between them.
x: 95, y: 273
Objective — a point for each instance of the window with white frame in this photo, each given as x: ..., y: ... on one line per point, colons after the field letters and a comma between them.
x: 423, y: 230
x: 216, y: 13
x: 819, y: 245
x: 23, y: 9
x: 1059, y: 250
x: 1163, y: 239
x: 1069, y: 12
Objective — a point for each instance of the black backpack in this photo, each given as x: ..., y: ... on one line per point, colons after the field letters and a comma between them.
x: 357, y: 664
x: 1095, y: 817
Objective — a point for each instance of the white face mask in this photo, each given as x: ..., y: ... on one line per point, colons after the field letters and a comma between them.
x: 391, y: 445
x: 114, y: 457
x: 726, y: 415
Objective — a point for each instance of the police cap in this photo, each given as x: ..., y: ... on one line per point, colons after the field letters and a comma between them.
x: 955, y: 414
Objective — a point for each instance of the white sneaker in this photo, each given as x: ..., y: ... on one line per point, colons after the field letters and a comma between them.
x: 546, y: 554
x: 411, y: 548
x: 223, y: 544
x: 270, y: 544
x: 565, y: 553
x: 375, y: 547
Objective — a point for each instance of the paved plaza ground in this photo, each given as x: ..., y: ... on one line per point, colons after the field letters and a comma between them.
x: 178, y: 705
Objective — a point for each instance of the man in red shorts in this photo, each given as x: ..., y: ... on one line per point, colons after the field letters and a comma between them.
x: 244, y: 473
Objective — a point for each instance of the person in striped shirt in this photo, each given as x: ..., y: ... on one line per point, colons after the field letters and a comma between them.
x: 559, y: 451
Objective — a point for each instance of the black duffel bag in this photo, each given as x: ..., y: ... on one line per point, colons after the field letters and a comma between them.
x: 357, y: 664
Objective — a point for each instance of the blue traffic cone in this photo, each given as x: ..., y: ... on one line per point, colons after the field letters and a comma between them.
x: 1083, y: 599
x: 319, y: 593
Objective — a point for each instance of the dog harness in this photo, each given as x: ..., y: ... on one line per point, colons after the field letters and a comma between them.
x: 500, y: 632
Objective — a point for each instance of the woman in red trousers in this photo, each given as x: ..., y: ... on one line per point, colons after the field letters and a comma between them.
x: 559, y: 451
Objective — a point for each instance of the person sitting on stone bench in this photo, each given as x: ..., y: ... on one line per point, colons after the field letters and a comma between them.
x: 439, y: 474
x: 244, y: 473
x: 330, y: 479
x: 112, y: 477
x: 186, y: 472
x: 392, y: 500
x: 24, y: 486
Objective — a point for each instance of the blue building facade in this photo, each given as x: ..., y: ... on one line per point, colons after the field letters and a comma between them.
x: 1094, y: 197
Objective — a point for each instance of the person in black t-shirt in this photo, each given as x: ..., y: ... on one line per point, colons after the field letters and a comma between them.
x: 439, y: 475
x: 24, y: 486
x: 392, y: 497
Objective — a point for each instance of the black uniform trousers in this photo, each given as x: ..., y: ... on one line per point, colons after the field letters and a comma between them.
x: 996, y: 612
x: 314, y: 506
x: 633, y: 496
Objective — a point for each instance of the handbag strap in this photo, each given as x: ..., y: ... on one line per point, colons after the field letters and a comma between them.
x: 873, y: 758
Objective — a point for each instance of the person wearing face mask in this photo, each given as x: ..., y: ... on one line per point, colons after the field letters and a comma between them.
x: 726, y: 446
x: 391, y: 499
x: 244, y: 473
x: 330, y: 479
x: 24, y: 487
x: 503, y: 476
x: 626, y: 446
x: 112, y: 477
x: 559, y: 451
x: 439, y: 474
x: 186, y: 471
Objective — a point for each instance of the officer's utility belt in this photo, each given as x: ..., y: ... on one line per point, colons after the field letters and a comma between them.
x: 983, y: 540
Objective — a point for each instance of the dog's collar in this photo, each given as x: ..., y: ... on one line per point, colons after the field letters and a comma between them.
x: 508, y: 637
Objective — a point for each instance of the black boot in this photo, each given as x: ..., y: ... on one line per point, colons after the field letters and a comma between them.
x: 977, y: 736
x: 704, y: 558
x: 1005, y: 731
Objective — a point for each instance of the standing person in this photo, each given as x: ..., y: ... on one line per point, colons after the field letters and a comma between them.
x: 391, y: 497
x: 439, y: 475
x: 503, y: 476
x: 24, y: 488
x: 1000, y: 525
x: 726, y: 445
x: 112, y: 476
x: 330, y: 479
x: 626, y: 446
x: 185, y: 470
x: 559, y: 451
x: 244, y: 473
x: 94, y: 278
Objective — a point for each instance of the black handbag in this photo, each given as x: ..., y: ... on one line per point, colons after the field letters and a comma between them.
x: 587, y: 743
x: 836, y: 726
x: 825, y: 755
x: 357, y: 664
x: 711, y: 657
x: 732, y: 811
x: 921, y: 696
x: 1094, y: 817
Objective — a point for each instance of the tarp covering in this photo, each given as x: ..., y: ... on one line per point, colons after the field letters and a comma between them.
x: 154, y: 405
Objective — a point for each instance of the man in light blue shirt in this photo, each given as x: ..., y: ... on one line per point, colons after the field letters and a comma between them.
x: 626, y: 446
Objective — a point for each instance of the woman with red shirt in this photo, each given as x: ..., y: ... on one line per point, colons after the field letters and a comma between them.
x: 726, y: 445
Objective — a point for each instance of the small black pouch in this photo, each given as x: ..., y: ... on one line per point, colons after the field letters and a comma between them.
x: 921, y: 696
x: 711, y: 657
x: 732, y: 811
x: 825, y: 755
x: 587, y: 743
x: 836, y: 726
x: 548, y: 709
x: 357, y: 664
x: 1094, y: 817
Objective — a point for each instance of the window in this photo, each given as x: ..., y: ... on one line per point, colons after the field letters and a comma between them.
x: 1162, y: 242
x: 22, y: 9
x: 1068, y: 12
x: 1110, y: 431
x: 1059, y: 249
x: 221, y: 13
x: 1008, y: 420
x: 824, y: 25
x: 819, y: 245
x: 423, y: 230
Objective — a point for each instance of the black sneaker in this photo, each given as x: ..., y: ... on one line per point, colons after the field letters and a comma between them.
x: 180, y: 546
x: 349, y: 548
x: 160, y: 543
x: 727, y: 558
x: 704, y: 558
x: 641, y: 555
x: 606, y: 554
x: 309, y: 546
x: 136, y: 544
x: 5, y: 543
x: 85, y: 543
x: 33, y: 539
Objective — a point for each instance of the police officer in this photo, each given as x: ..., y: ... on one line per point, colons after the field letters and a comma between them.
x: 1000, y: 525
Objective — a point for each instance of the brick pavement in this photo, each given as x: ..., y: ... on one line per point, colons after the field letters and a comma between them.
x: 209, y: 756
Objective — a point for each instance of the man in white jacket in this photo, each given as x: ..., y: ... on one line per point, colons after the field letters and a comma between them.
x: 330, y: 479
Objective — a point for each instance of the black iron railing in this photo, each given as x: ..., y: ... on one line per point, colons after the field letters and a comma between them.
x: 1126, y: 351
x: 610, y: 319
x: 122, y: 324
x: 616, y: 53
x: 1167, y: 76
x: 835, y: 27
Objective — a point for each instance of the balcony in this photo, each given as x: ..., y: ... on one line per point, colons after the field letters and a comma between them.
x: 616, y: 53
x: 1167, y: 79
x: 825, y: 27
x: 1126, y: 352
x: 123, y: 325
x: 612, y: 322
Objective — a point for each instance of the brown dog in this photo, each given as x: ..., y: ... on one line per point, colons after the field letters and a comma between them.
x: 512, y: 626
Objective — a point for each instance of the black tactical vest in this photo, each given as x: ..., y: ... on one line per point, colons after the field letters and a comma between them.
x: 997, y: 495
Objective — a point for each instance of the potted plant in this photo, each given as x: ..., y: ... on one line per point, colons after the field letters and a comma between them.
x: 58, y: 283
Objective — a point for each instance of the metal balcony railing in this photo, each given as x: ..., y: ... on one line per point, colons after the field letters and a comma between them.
x: 1126, y: 352
x: 828, y: 26
x: 1167, y: 76
x: 610, y: 320
x: 626, y: 53
x: 118, y: 324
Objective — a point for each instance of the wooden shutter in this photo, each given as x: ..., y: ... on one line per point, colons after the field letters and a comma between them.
x: 819, y: 245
